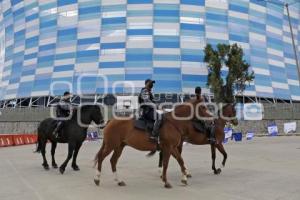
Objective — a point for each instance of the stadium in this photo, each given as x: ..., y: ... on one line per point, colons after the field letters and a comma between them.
x: 47, y: 46
x: 71, y: 72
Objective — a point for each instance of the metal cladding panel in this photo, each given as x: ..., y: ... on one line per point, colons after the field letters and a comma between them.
x: 94, y: 46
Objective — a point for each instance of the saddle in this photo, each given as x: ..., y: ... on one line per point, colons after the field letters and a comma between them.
x: 147, y: 125
x: 201, y: 127
x: 143, y: 124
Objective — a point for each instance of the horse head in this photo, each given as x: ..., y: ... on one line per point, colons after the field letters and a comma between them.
x: 89, y: 113
x: 229, y: 113
x: 96, y: 114
x: 195, y: 108
x: 201, y: 110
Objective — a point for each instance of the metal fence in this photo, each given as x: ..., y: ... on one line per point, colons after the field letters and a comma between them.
x: 282, y: 111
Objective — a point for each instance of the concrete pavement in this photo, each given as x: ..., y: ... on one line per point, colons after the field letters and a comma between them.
x: 265, y: 169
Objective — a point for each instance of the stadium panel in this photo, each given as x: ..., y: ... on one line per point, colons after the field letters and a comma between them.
x: 53, y: 43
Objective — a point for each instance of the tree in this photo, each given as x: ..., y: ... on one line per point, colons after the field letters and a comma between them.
x: 230, y: 56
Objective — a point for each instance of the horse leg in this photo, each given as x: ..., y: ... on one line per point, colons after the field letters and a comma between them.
x: 177, y: 156
x: 166, y: 158
x: 74, y: 164
x: 160, y: 162
x: 113, y: 161
x: 188, y: 174
x: 43, y: 151
x: 102, y: 154
x: 221, y: 149
x: 213, y: 157
x: 71, y: 148
x: 53, y: 148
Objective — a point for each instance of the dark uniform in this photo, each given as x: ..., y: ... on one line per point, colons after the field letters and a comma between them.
x: 63, y: 110
x: 146, y: 100
x: 209, y: 125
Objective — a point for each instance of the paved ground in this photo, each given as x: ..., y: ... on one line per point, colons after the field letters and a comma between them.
x: 264, y: 169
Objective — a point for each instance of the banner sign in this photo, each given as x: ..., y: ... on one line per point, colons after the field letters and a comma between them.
x: 273, y: 129
x: 250, y: 135
x: 290, y: 127
x: 127, y: 102
x: 228, y: 132
x: 253, y: 111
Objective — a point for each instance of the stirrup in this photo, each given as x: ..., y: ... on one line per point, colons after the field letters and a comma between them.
x: 212, y: 140
x: 56, y: 135
x: 153, y: 138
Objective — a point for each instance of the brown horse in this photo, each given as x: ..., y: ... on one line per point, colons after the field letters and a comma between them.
x: 194, y: 137
x: 119, y: 132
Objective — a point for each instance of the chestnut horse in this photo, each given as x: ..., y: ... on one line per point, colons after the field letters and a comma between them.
x: 118, y: 133
x: 197, y: 138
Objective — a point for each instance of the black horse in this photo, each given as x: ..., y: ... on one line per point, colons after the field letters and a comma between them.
x: 72, y: 133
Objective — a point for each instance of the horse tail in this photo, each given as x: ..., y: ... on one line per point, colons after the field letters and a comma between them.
x: 152, y: 153
x: 38, y: 142
x: 38, y: 147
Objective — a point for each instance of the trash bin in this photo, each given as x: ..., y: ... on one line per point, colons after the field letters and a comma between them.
x: 237, y: 136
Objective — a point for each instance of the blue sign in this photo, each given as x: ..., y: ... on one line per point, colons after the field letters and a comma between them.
x: 273, y: 130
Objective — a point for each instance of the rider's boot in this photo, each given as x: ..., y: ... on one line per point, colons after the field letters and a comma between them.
x: 155, y: 132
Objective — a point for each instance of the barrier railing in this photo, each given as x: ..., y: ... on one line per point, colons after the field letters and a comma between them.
x: 17, y: 139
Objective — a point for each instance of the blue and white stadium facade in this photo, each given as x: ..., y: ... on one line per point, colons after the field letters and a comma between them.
x: 53, y: 42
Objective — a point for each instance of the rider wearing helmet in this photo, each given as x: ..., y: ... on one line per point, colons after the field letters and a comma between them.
x: 209, y: 124
x: 63, y: 110
x: 148, y: 107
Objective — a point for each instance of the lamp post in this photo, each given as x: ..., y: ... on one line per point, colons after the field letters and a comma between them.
x: 293, y: 40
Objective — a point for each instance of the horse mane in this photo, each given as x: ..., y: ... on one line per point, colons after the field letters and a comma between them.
x: 183, y: 108
x: 224, y: 107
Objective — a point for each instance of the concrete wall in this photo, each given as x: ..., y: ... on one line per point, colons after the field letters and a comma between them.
x: 24, y: 114
x: 244, y: 126
x: 261, y: 127
x: 18, y: 127
x: 21, y: 120
x: 282, y: 111
x: 26, y: 120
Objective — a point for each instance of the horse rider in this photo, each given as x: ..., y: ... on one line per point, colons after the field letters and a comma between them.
x: 148, y: 108
x: 209, y: 125
x: 63, y: 111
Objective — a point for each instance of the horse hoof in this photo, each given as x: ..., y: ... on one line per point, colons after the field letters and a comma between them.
x: 46, y: 167
x: 75, y: 168
x: 189, y: 175
x: 97, y: 182
x: 218, y: 171
x: 184, y: 182
x: 54, y: 166
x: 61, y: 170
x: 159, y: 171
x: 168, y: 185
x: 121, y: 183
